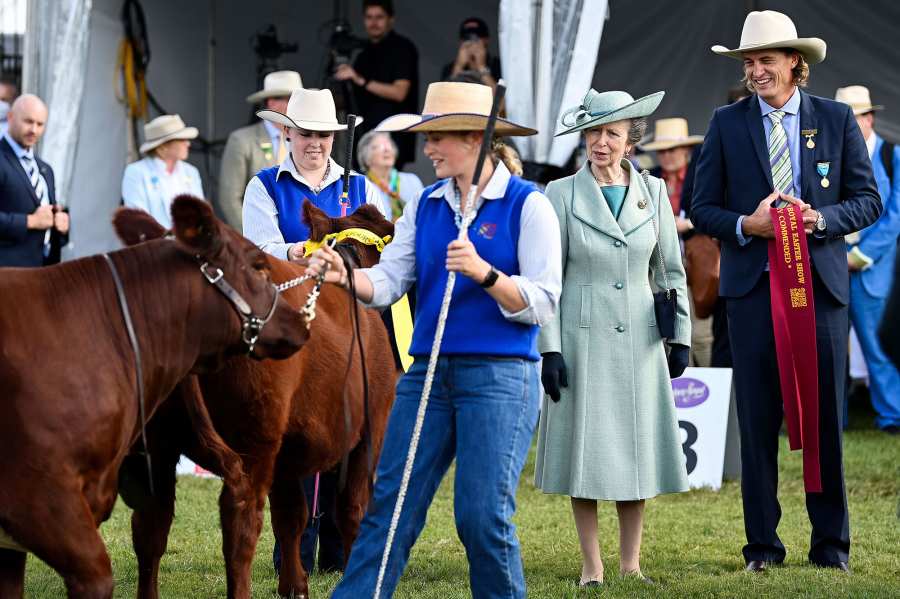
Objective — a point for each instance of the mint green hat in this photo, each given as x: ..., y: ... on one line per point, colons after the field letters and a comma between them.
x: 599, y: 108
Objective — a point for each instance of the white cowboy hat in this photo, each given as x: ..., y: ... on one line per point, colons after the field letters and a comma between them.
x: 857, y: 96
x: 765, y: 29
x: 277, y: 84
x: 670, y: 133
x: 454, y: 106
x: 599, y: 108
x: 165, y: 128
x: 310, y: 109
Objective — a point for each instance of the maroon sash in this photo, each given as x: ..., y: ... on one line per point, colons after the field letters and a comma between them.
x: 794, y: 321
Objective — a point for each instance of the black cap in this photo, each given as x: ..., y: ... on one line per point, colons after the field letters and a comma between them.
x: 473, y: 25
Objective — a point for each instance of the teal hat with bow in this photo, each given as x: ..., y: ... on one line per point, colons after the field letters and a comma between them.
x: 599, y: 108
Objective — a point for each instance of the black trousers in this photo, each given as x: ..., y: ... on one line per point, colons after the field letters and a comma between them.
x: 760, y: 414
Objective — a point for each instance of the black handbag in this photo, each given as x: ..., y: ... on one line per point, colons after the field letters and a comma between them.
x: 666, y: 301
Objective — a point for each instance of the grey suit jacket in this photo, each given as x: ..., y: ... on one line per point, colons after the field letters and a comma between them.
x: 248, y: 151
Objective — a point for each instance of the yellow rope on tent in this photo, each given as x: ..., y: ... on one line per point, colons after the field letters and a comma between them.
x: 134, y: 92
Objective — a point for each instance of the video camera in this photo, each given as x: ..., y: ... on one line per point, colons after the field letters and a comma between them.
x: 342, y: 43
x: 267, y: 46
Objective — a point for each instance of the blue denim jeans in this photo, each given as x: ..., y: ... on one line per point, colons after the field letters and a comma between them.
x: 482, y: 412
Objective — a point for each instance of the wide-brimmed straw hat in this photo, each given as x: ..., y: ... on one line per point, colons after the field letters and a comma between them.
x: 670, y: 133
x: 766, y: 29
x: 310, y: 109
x: 857, y: 96
x: 278, y: 84
x: 599, y: 108
x: 165, y: 128
x: 453, y: 106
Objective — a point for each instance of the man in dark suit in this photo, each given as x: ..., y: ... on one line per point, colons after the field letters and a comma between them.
x: 33, y: 228
x: 777, y: 146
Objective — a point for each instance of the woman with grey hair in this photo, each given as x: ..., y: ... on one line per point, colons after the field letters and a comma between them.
x: 377, y: 154
x: 610, y: 431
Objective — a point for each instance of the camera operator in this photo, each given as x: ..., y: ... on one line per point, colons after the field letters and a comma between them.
x: 385, y: 75
x: 473, y: 56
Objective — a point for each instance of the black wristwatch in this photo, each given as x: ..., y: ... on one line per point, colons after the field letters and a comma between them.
x: 490, y: 279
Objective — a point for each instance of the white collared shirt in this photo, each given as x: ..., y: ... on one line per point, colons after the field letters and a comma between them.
x: 539, y: 253
x: 274, y: 132
x: 870, y: 144
x: 260, y: 215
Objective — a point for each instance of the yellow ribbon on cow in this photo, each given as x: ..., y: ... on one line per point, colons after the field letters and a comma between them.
x: 363, y: 236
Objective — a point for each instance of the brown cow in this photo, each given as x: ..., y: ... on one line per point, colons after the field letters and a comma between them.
x: 286, y: 420
x: 69, y: 411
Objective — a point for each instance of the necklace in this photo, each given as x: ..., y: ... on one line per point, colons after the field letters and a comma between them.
x: 457, y: 201
x: 612, y: 181
x: 317, y: 188
x: 391, y: 189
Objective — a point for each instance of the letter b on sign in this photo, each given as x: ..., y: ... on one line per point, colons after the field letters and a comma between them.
x: 690, y: 456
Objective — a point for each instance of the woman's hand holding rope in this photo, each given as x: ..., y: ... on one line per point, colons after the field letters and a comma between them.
x: 328, y: 260
x: 462, y: 258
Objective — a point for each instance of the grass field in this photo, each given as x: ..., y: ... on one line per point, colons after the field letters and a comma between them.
x: 692, y: 542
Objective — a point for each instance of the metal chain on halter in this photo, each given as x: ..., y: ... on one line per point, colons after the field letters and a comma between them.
x: 309, y: 308
x: 468, y: 217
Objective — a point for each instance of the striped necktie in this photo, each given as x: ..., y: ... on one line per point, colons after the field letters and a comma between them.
x: 780, y: 156
x: 40, y: 190
x: 37, y: 181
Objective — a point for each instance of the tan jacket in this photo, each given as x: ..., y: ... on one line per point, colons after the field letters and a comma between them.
x: 248, y: 151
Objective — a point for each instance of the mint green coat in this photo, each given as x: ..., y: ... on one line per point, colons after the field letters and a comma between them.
x: 614, y: 434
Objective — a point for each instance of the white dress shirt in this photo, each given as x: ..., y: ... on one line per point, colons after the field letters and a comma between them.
x: 539, y: 253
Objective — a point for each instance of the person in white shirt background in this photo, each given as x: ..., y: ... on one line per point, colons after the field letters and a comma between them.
x: 152, y: 182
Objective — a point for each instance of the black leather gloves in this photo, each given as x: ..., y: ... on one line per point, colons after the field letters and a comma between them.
x: 553, y: 374
x: 678, y: 359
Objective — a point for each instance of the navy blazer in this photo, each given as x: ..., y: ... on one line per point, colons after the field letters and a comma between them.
x: 20, y: 246
x: 733, y: 176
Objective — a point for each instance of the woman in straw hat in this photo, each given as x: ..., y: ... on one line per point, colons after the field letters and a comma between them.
x: 484, y: 402
x: 610, y: 431
x: 673, y: 146
x: 274, y: 197
x: 152, y: 182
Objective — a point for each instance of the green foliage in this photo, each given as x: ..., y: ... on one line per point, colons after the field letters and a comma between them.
x: 692, y: 542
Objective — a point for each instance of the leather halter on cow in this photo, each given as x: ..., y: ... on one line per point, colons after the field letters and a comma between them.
x: 69, y: 413
x: 286, y: 420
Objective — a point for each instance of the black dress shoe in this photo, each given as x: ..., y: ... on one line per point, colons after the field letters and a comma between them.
x: 842, y: 566
x: 756, y: 565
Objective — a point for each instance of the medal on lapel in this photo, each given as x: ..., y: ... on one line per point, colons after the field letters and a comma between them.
x: 642, y: 204
x: 266, y: 147
x: 809, y: 134
x: 822, y: 168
